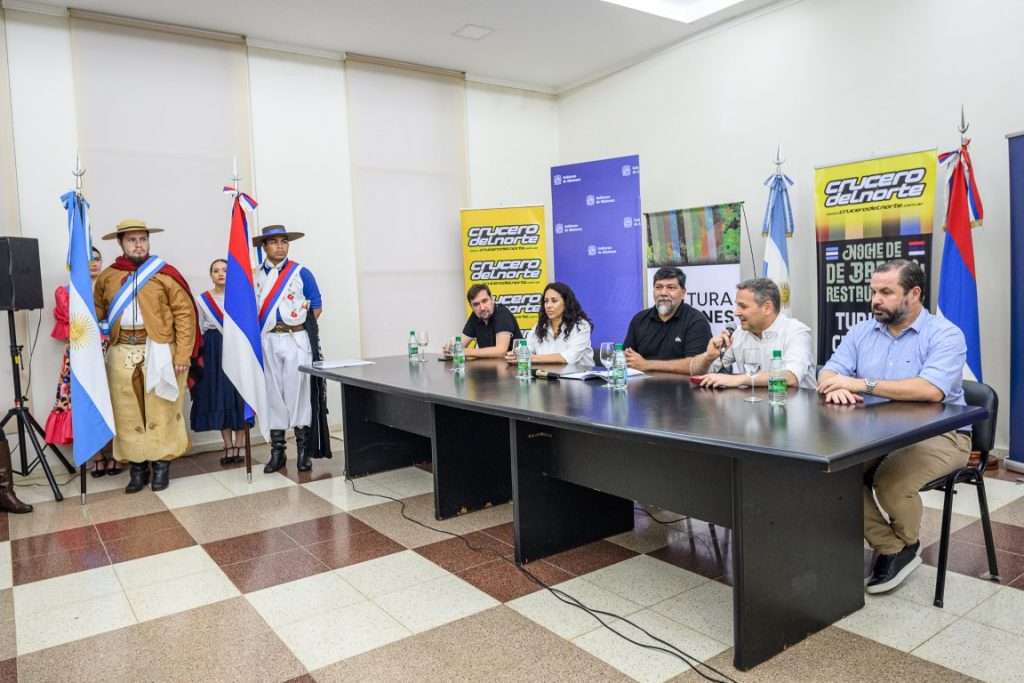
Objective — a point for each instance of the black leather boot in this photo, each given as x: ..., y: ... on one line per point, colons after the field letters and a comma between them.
x: 302, y: 446
x: 139, y: 473
x: 277, y: 459
x: 161, y: 473
x: 8, y: 501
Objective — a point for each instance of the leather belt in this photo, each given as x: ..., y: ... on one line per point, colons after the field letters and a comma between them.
x: 281, y: 327
x: 137, y: 336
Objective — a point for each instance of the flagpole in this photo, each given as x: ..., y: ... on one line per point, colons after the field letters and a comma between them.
x: 236, y: 182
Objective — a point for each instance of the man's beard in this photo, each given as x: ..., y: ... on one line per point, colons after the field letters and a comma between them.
x: 137, y: 260
x: 664, y: 306
x: 891, y: 317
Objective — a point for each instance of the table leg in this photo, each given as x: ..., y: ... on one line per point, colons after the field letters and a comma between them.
x: 372, y: 444
x: 797, y: 554
x: 472, y: 461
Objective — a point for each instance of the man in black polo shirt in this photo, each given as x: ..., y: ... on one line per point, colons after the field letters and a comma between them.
x: 664, y: 338
x: 491, y: 324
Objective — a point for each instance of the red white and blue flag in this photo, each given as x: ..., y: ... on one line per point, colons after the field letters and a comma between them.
x: 243, y: 350
x: 958, y: 283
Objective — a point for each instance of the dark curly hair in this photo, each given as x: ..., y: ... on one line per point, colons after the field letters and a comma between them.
x: 571, y: 316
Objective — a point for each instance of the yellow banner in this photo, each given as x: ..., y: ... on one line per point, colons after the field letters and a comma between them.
x: 884, y: 197
x: 505, y: 249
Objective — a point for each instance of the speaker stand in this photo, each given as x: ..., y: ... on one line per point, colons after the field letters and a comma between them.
x: 27, y: 425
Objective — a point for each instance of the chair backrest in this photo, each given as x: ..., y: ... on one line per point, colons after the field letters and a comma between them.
x: 982, y: 396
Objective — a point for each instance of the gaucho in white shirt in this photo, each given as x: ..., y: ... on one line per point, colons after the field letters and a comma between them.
x: 571, y: 342
x: 757, y: 308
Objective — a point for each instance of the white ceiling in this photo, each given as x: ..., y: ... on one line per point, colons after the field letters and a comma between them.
x: 547, y: 45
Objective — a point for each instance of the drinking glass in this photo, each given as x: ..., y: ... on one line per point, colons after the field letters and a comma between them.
x: 422, y: 338
x: 607, y: 356
x: 752, y: 366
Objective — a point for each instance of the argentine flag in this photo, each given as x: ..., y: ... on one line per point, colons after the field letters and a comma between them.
x: 243, y: 347
x: 92, y: 420
x: 778, y: 225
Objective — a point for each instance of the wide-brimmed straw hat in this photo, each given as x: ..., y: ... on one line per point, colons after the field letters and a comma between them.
x: 131, y: 225
x: 275, y: 231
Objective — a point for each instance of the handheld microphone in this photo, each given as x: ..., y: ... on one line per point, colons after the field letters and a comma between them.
x: 730, y: 329
x: 544, y: 374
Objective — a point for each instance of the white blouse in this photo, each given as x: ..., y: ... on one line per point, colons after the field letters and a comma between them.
x: 576, y: 350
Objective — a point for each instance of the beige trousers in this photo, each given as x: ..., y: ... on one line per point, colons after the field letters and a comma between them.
x: 897, y: 478
x: 146, y: 426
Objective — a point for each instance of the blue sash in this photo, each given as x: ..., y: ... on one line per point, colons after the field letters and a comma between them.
x: 126, y: 294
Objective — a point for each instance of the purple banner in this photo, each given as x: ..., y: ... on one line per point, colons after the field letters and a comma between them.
x: 595, y: 209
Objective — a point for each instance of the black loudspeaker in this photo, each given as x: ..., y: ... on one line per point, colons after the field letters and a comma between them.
x: 21, y: 285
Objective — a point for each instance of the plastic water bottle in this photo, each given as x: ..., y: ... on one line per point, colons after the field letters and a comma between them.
x: 619, y: 371
x: 458, y: 357
x: 414, y: 349
x: 523, y: 361
x: 777, y: 381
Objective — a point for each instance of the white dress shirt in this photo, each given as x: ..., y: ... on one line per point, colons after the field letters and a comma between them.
x: 789, y: 335
x: 576, y: 350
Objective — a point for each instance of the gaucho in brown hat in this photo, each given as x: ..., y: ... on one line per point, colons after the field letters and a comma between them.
x: 145, y: 307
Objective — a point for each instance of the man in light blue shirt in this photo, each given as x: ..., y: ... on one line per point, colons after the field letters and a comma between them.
x: 903, y: 354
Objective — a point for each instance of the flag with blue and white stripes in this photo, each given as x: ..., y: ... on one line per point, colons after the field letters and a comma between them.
x: 92, y: 422
x: 778, y: 225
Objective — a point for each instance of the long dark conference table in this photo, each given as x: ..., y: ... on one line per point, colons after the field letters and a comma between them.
x: 573, y: 456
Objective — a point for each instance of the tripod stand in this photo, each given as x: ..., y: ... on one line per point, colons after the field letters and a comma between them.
x: 27, y: 425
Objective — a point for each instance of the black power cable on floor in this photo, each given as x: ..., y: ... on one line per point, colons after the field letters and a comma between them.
x: 564, y: 597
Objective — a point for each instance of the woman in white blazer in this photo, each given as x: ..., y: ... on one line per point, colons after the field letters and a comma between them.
x: 562, y: 332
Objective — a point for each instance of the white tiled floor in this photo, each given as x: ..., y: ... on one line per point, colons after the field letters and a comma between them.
x: 164, y: 567
x: 434, y: 603
x: 405, y: 482
x: 645, y: 580
x: 40, y: 629
x: 331, y: 636
x: 1004, y: 611
x: 193, y: 490
x: 566, y: 620
x: 339, y: 492
x: 296, y: 600
x: 898, y: 623
x: 236, y: 481
x: 390, y: 573
x: 998, y: 492
x: 646, y: 665
x: 6, y: 580
x: 707, y: 609
x: 66, y: 590
x: 988, y: 653
x: 961, y: 595
x: 181, y: 593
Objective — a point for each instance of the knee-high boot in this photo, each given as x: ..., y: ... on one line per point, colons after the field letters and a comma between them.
x: 302, y: 446
x: 277, y: 457
x: 8, y: 501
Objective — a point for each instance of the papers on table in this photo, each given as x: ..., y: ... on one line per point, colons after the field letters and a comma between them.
x: 343, y: 363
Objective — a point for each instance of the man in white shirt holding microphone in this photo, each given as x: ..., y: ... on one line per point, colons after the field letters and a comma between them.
x: 758, y: 301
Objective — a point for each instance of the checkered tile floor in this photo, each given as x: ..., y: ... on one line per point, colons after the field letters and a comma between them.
x: 298, y: 577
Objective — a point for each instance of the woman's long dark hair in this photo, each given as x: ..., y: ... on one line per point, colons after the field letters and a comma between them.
x: 571, y: 316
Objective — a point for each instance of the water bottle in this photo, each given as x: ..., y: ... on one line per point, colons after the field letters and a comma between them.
x: 619, y: 371
x: 458, y: 357
x: 523, y: 361
x: 777, y: 381
x: 414, y: 349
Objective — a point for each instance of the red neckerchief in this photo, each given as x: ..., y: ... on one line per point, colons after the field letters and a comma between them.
x: 124, y: 263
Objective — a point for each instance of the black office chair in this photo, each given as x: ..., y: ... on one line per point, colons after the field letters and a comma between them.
x: 982, y: 439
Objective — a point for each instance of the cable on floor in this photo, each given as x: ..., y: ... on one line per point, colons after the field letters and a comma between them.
x: 564, y: 597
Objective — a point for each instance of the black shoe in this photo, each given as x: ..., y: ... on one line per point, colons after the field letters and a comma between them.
x: 237, y: 457
x: 277, y: 459
x: 161, y: 474
x: 139, y: 473
x: 302, y: 446
x: 890, y: 570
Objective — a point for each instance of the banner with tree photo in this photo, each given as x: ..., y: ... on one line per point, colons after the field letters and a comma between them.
x: 705, y: 242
